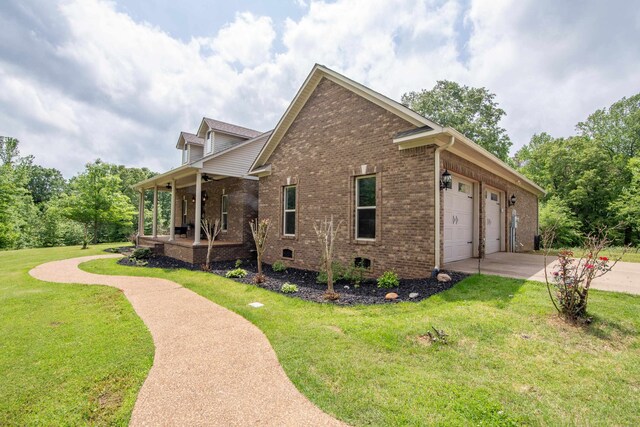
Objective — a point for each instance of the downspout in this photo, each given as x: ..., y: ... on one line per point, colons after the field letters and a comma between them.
x: 436, y: 196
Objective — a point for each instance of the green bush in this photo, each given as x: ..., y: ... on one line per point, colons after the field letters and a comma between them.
x: 279, y: 266
x: 556, y: 215
x: 238, y: 263
x: 355, y: 274
x: 238, y: 273
x: 141, y: 254
x: 289, y: 288
x: 339, y: 272
x: 389, y: 279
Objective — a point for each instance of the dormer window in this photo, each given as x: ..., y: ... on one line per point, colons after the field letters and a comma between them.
x: 185, y: 154
x: 208, y: 144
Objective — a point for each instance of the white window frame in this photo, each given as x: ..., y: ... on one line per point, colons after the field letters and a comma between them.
x: 285, y: 211
x: 185, y: 205
x: 358, y: 208
x: 185, y: 154
x: 224, y: 225
x: 208, y: 143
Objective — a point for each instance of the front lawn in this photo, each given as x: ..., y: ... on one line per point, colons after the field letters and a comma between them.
x: 69, y: 354
x: 510, y: 361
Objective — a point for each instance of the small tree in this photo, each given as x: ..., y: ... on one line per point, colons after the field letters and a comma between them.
x: 327, y: 233
x: 260, y: 230
x: 211, y: 230
x: 572, y: 276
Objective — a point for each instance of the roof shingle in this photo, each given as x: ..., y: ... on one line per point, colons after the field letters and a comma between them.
x: 231, y: 128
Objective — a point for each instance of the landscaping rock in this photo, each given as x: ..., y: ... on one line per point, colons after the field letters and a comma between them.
x: 444, y: 277
x: 391, y: 296
x: 346, y: 286
x: 413, y: 295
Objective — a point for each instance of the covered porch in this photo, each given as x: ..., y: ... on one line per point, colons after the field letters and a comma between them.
x: 197, y: 194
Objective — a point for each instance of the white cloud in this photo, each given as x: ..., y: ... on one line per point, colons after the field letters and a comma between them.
x: 85, y: 81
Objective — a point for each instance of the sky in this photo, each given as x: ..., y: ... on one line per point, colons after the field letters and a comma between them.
x: 119, y: 80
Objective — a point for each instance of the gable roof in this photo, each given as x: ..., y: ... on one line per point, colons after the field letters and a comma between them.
x: 426, y: 131
x: 188, y: 138
x: 318, y: 72
x: 228, y: 128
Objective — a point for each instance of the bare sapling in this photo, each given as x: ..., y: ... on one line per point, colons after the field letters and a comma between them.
x: 211, y: 230
x: 260, y: 231
x: 327, y: 232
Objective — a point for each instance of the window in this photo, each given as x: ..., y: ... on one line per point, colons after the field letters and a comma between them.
x: 463, y: 188
x: 362, y: 262
x: 289, y: 215
x: 494, y: 197
x: 224, y: 212
x: 184, y: 210
x: 287, y: 253
x: 208, y: 144
x: 185, y: 154
x: 366, y: 207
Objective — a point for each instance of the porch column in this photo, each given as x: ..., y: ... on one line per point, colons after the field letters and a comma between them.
x: 154, y: 226
x: 141, y: 213
x: 196, y: 232
x: 172, y: 221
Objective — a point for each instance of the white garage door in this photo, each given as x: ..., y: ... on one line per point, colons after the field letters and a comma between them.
x: 492, y: 222
x: 458, y: 221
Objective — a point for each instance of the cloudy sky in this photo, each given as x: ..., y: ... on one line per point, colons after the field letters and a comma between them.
x: 81, y: 79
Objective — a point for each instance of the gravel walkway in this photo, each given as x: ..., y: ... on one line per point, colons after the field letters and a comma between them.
x: 211, y: 366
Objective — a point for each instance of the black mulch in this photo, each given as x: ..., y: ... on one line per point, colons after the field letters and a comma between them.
x: 308, y: 289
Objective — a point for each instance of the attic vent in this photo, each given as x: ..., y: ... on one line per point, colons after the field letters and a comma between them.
x: 287, y: 253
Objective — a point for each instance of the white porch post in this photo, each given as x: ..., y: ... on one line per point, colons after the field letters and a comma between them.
x: 155, y: 211
x: 141, y: 214
x: 172, y: 222
x: 196, y: 232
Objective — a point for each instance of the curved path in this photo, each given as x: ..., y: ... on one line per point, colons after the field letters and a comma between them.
x: 211, y: 366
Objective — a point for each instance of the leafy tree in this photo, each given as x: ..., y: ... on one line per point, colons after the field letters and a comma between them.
x: 626, y: 207
x: 556, y: 217
x: 472, y: 111
x: 618, y: 128
x: 96, y: 199
x: 9, y: 151
x: 44, y: 183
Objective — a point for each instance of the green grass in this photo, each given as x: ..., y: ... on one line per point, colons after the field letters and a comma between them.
x: 69, y: 354
x: 510, y: 360
x: 632, y: 254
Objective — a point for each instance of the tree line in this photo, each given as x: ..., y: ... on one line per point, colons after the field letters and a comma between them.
x: 40, y: 208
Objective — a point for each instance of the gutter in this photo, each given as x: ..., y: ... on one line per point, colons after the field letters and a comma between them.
x: 436, y: 197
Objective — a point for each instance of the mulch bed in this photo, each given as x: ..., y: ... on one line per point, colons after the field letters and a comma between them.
x: 367, y: 293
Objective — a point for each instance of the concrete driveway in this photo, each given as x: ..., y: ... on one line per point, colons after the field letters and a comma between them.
x: 625, y: 276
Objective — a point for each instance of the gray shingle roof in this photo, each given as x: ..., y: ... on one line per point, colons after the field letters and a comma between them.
x: 421, y: 129
x: 231, y: 129
x: 190, y: 138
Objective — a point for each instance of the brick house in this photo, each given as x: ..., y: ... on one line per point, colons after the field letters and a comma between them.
x: 410, y: 195
x: 377, y: 167
x: 212, y: 183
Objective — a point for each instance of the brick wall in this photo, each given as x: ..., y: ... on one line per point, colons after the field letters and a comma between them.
x: 337, y: 136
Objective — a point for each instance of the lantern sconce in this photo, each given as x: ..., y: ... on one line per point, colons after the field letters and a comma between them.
x: 512, y: 200
x: 445, y: 180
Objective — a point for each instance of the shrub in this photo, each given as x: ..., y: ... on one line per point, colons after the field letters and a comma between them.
x: 389, y: 279
x: 355, y: 274
x: 556, y: 215
x: 289, y: 288
x: 238, y: 263
x: 141, y: 262
x: 338, y: 270
x: 237, y: 273
x: 279, y: 266
x: 571, y: 277
x: 141, y: 254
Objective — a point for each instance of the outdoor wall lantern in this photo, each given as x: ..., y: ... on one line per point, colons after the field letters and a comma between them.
x: 204, y: 196
x: 193, y: 198
x: 169, y: 186
x: 445, y: 180
x: 206, y: 178
x: 512, y: 200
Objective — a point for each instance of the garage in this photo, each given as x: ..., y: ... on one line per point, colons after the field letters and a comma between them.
x: 458, y: 220
x: 493, y: 225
